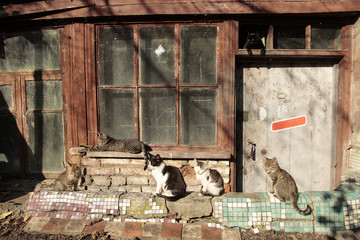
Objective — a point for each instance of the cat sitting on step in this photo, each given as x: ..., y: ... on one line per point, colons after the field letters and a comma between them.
x: 283, y: 184
x: 170, y: 183
x: 68, y: 180
x: 107, y: 143
x: 211, y: 180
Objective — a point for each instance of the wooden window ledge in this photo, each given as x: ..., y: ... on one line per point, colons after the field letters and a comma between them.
x: 220, y: 155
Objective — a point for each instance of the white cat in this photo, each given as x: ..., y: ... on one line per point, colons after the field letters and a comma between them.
x: 211, y: 180
x: 170, y: 183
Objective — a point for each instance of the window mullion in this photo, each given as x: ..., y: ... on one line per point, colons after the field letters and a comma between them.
x: 177, y: 80
x: 136, y: 76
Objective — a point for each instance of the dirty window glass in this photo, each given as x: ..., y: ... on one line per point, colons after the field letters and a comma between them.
x: 9, y: 159
x: 325, y: 38
x: 157, y: 51
x: 29, y: 51
x: 116, y: 56
x: 117, y: 113
x: 6, y: 100
x: 198, y: 54
x: 198, y: 117
x: 44, y: 95
x: 289, y: 37
x: 46, y: 142
x: 157, y: 116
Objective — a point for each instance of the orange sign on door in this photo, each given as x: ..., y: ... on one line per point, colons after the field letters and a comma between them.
x: 288, y: 123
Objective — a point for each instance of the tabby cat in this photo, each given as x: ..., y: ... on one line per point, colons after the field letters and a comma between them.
x: 211, y: 180
x: 254, y: 41
x: 283, y: 184
x: 68, y: 180
x: 170, y: 183
x: 107, y: 143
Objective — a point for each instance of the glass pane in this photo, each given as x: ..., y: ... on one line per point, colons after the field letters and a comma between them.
x: 289, y: 38
x: 157, y: 51
x: 116, y: 56
x: 322, y: 38
x: 44, y: 95
x: 157, y: 116
x: 6, y: 100
x: 117, y: 113
x: 198, y: 117
x: 198, y: 54
x: 46, y: 142
x: 9, y: 158
x: 38, y: 50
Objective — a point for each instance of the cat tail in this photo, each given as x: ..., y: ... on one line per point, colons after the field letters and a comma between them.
x: 293, y: 201
x: 209, y: 194
x: 146, y: 157
x: 170, y: 198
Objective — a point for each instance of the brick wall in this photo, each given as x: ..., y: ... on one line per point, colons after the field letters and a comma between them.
x: 128, y: 175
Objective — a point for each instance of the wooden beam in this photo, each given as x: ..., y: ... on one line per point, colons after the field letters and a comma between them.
x: 164, y: 154
x: 76, y: 9
x: 343, y: 128
x: 285, y: 54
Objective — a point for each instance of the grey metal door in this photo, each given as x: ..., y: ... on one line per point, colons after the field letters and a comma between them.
x: 274, y: 93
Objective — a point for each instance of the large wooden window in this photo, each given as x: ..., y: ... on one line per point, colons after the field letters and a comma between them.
x: 159, y: 83
x: 31, y: 106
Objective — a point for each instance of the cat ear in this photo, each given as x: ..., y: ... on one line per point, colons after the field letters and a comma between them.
x: 158, y: 156
x: 274, y: 159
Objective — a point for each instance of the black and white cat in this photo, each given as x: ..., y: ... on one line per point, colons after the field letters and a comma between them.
x: 255, y: 40
x: 170, y: 183
x: 211, y: 180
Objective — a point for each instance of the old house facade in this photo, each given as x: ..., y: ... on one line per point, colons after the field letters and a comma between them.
x: 175, y: 74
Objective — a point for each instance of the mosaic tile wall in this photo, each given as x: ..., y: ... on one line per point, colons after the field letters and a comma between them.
x: 332, y: 210
x: 265, y: 212
x: 91, y: 205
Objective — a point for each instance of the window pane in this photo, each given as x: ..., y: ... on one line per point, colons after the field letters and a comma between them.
x: 6, y: 100
x: 157, y: 116
x: 38, y: 50
x: 289, y: 38
x: 157, y: 47
x: 117, y: 113
x: 322, y: 38
x: 46, y: 142
x: 198, y: 54
x: 116, y: 56
x: 45, y: 95
x: 9, y: 158
x: 198, y: 117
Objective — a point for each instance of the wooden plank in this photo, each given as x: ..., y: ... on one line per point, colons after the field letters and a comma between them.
x: 343, y: 130
x: 42, y: 6
x: 296, y: 53
x: 308, y: 37
x: 165, y: 155
x: 120, y: 8
x: 66, y: 70
x: 90, y: 79
x: 229, y: 45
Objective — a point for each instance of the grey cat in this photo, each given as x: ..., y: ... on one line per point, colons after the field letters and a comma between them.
x: 68, y: 180
x: 283, y: 184
x: 211, y: 180
x: 107, y: 143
